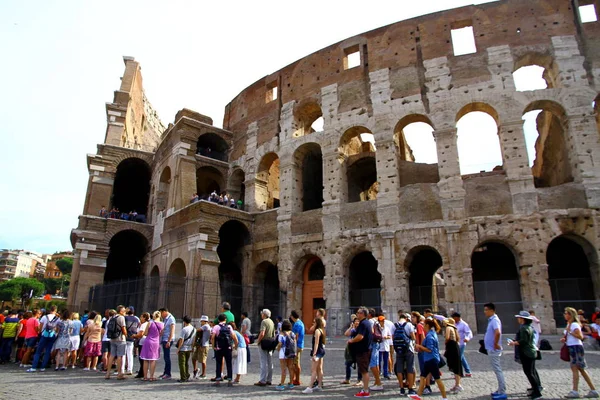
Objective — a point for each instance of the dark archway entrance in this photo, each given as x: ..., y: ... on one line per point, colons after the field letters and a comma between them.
x: 312, y: 289
x: 267, y: 292
x: 208, y: 180
x: 570, y: 260
x: 309, y: 160
x: 131, y: 189
x: 496, y: 280
x: 164, y: 184
x: 233, y: 236
x: 213, y: 146
x: 175, y: 287
x: 125, y: 256
x: 365, y: 281
x: 362, y: 180
x: 423, y: 265
x: 237, y: 188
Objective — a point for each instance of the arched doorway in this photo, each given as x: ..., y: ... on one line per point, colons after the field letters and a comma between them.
x: 213, y: 146
x: 162, y: 197
x: 125, y: 256
x: 571, y: 260
x: 131, y: 189
x: 357, y: 152
x: 267, y: 292
x: 426, y: 281
x: 237, y: 188
x: 496, y: 280
x: 176, y: 288
x: 308, y: 180
x: 312, y: 289
x: 365, y: 281
x: 233, y: 236
x: 267, y: 183
x: 208, y: 180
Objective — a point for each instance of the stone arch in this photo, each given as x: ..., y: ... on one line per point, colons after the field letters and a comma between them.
x: 469, y: 140
x: 359, y: 167
x: 208, y: 180
x: 543, y: 60
x: 211, y: 145
x: 551, y: 166
x: 120, y: 227
x: 496, y: 278
x: 267, y: 182
x: 573, y: 275
x: 364, y: 281
x: 176, y: 288
x: 308, y: 177
x: 131, y: 187
x: 306, y: 113
x: 414, y: 134
x: 233, y: 237
x: 124, y: 155
x: 126, y: 251
x: 351, y: 142
x: 236, y: 186
x: 164, y: 184
x: 426, y: 278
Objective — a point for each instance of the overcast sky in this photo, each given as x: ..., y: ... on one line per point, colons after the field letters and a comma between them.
x: 62, y: 60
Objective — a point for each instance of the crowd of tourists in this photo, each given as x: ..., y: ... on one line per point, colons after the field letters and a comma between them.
x: 377, y: 347
x: 222, y: 199
x: 114, y: 213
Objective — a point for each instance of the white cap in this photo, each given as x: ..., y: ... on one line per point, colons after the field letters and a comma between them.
x: 204, y: 318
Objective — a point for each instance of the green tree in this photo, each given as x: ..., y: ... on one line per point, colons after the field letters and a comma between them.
x: 15, y: 288
x: 65, y: 265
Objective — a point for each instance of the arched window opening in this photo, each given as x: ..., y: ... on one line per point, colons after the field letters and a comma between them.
x: 213, y: 146
x: 267, y: 183
x: 236, y: 187
x: 496, y: 280
x: 362, y: 180
x: 208, y: 180
x: 233, y: 236
x: 535, y: 71
x: 364, y: 281
x: 162, y: 197
x: 126, y: 253
x: 426, y: 281
x: 571, y: 260
x: 309, y: 119
x: 309, y: 177
x: 478, y: 142
x: 176, y: 288
x: 131, y: 189
x: 545, y: 131
x: 417, y: 152
x: 268, y: 294
x: 357, y: 140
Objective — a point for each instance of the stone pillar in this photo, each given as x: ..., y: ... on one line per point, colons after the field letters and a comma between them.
x: 74, y: 297
x: 250, y: 183
x: 287, y: 185
x: 452, y: 192
x: 333, y: 195
x: 335, y: 289
x: 387, y: 176
x: 385, y: 254
x: 536, y: 294
x: 584, y: 155
x: 516, y: 165
x: 185, y: 180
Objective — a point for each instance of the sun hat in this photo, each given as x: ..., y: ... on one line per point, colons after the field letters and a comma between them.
x: 524, y: 315
x: 204, y: 318
x: 450, y: 321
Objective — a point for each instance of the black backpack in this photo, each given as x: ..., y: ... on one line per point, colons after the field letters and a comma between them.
x: 400, y: 339
x: 132, y: 325
x: 113, y: 330
x: 545, y: 345
x: 290, y: 346
x: 224, y: 339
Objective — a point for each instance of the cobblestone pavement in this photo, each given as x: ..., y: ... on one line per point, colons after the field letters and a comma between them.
x: 76, y: 384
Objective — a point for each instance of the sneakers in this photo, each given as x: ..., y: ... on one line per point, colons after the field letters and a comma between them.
x: 427, y: 391
x: 308, y: 390
x: 202, y: 377
x: 499, y: 396
x: 289, y: 386
x: 280, y: 387
x: 86, y: 369
x: 402, y: 392
x: 456, y: 389
x: 317, y: 389
x: 376, y: 388
x: 414, y: 397
x: 592, y: 394
x: 469, y: 375
x: 572, y: 395
x: 195, y: 374
x: 42, y: 369
x: 31, y: 370
x: 166, y: 377
x: 411, y: 391
x: 362, y: 393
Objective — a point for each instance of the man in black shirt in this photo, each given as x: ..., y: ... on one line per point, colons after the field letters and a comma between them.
x: 360, y: 345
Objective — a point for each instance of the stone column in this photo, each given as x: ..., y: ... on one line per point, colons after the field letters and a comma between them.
x: 385, y: 254
x: 516, y: 165
x: 536, y: 294
x: 387, y: 176
x: 185, y: 180
x: 333, y: 195
x: 74, y: 298
x: 584, y: 155
x: 452, y: 192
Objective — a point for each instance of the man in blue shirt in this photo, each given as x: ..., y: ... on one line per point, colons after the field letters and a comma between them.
x: 298, y: 330
x: 493, y: 344
x: 166, y: 339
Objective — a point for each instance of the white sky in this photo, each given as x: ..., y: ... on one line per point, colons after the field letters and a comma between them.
x: 62, y: 60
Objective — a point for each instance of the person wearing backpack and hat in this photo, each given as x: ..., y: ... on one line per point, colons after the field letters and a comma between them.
x: 223, y: 339
x: 117, y: 332
x: 287, y: 353
x: 201, y: 344
x: 48, y: 336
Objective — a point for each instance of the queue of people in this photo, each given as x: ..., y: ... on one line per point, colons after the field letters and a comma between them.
x: 222, y: 199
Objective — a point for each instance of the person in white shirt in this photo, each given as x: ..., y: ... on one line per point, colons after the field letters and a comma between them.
x: 573, y: 339
x: 185, y: 343
x: 537, y: 328
x: 465, y: 334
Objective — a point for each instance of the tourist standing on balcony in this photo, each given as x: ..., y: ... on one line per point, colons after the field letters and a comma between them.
x: 266, y: 341
x: 166, y: 339
x: 492, y: 341
x: 573, y: 338
x: 465, y: 334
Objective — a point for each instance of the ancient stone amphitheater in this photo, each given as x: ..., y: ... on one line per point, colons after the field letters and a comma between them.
x: 339, y: 214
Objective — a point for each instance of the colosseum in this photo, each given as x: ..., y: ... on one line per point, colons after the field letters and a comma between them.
x: 339, y: 213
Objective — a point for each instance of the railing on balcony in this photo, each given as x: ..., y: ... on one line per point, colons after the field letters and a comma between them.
x: 210, y: 153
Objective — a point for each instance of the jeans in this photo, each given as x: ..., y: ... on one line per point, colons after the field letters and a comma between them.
x: 45, y: 345
x: 220, y: 354
x: 266, y: 365
x: 167, y: 357
x: 349, y: 371
x: 531, y: 373
x: 494, y: 356
x: 421, y: 360
x: 465, y: 364
x: 6, y: 349
x: 374, y: 362
x: 184, y: 367
x: 384, y: 363
x: 248, y: 353
x: 128, y: 357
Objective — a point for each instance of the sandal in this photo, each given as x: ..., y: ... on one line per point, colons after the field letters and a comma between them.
x: 121, y: 378
x: 152, y: 379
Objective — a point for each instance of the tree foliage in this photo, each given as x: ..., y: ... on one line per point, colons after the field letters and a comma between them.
x: 65, y: 265
x: 13, y: 289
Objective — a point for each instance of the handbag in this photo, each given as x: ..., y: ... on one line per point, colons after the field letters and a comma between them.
x: 268, y: 344
x: 564, y: 350
x: 442, y: 362
x: 234, y: 353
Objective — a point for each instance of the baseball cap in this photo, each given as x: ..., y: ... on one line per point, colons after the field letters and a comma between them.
x: 204, y: 318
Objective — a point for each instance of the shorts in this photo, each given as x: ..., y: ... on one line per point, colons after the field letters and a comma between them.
x: 74, y: 342
x: 577, y: 356
x: 31, y: 342
x: 117, y: 349
x: 298, y: 357
x: 200, y: 354
x: 362, y: 361
x: 374, y: 362
x: 405, y: 362
x: 105, y: 346
x: 93, y: 349
x: 431, y: 367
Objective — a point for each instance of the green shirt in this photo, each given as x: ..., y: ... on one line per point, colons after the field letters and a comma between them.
x: 526, y: 345
x: 228, y: 315
x: 269, y: 328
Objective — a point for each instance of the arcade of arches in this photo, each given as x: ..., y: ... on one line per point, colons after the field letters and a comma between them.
x: 131, y: 189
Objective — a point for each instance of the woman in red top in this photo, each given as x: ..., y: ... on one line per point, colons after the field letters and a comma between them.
x: 21, y: 335
x: 31, y: 336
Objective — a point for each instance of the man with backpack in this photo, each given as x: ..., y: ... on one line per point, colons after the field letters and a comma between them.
x: 47, y: 327
x: 223, y: 340
x: 116, y: 331
x: 403, y: 339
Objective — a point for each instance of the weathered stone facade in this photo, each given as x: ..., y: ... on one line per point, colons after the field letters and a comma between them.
x: 407, y: 74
